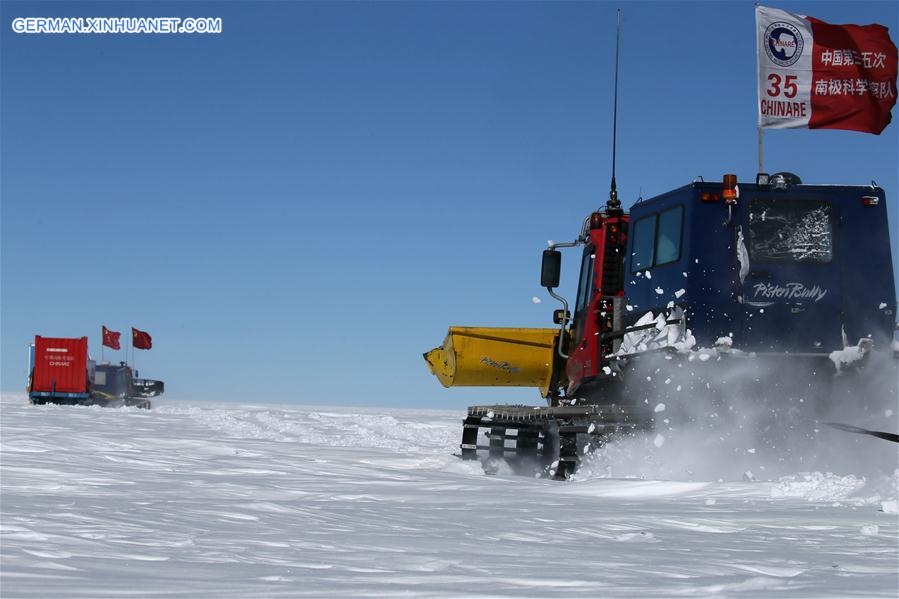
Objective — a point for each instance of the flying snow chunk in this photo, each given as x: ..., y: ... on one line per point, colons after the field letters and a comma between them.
x: 630, y: 308
x: 648, y: 275
x: 659, y: 440
x: 536, y: 300
x: 607, y: 370
x: 847, y: 355
x: 659, y: 408
x: 870, y: 530
x: 751, y: 450
x: 679, y: 293
x: 659, y: 290
x: 882, y: 305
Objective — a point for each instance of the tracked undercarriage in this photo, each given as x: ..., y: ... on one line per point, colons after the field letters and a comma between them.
x: 553, y: 438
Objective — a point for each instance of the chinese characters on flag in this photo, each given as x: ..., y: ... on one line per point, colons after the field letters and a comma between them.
x: 111, y: 338
x: 140, y: 339
x: 819, y: 76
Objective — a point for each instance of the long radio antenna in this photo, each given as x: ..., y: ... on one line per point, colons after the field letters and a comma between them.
x: 614, y: 203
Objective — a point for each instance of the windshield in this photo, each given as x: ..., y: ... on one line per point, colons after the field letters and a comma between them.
x: 783, y: 230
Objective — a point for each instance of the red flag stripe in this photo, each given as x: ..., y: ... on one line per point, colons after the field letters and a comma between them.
x: 853, y: 77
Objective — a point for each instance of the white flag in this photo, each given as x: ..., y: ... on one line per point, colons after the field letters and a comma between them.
x: 784, y: 44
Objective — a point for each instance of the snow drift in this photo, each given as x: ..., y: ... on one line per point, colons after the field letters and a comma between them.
x: 286, y: 501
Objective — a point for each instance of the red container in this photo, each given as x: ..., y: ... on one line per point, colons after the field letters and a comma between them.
x: 60, y: 365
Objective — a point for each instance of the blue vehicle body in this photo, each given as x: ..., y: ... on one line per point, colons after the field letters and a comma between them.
x: 750, y: 313
x: 816, y: 270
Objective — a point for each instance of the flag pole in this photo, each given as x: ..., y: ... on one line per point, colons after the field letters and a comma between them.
x: 101, y: 344
x: 760, y: 150
x: 758, y: 66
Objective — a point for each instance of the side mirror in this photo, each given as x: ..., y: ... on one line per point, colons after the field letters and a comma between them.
x: 560, y: 316
x: 550, y: 269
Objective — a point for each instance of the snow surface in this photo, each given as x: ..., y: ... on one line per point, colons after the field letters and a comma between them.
x: 206, y: 500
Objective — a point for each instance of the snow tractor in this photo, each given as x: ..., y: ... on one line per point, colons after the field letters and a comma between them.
x: 61, y: 372
x: 791, y: 284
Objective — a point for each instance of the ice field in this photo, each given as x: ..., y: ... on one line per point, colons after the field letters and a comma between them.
x: 202, y: 500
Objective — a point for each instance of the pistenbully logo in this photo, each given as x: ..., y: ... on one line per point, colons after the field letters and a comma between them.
x: 789, y: 291
x: 783, y: 43
x: 501, y: 365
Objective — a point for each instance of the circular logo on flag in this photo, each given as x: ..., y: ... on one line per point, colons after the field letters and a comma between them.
x: 783, y: 43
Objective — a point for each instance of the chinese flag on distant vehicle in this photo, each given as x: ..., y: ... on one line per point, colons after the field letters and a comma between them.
x: 819, y: 76
x: 140, y: 339
x: 111, y: 338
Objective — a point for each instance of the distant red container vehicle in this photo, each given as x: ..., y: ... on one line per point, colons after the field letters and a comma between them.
x: 61, y: 372
x: 60, y: 368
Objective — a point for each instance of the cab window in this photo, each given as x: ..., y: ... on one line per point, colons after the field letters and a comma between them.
x: 668, y: 237
x: 584, y: 293
x: 644, y: 242
x: 585, y: 286
x: 657, y: 239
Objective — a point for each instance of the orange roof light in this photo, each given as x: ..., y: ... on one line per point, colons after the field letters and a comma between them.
x: 730, y: 189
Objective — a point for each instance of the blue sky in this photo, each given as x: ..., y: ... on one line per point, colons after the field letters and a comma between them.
x: 299, y: 207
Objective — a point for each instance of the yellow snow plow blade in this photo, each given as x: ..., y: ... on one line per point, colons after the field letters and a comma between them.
x: 495, y: 357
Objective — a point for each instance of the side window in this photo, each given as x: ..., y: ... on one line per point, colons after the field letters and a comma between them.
x: 668, y: 238
x: 585, y: 286
x: 657, y: 239
x: 584, y: 293
x: 644, y: 239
